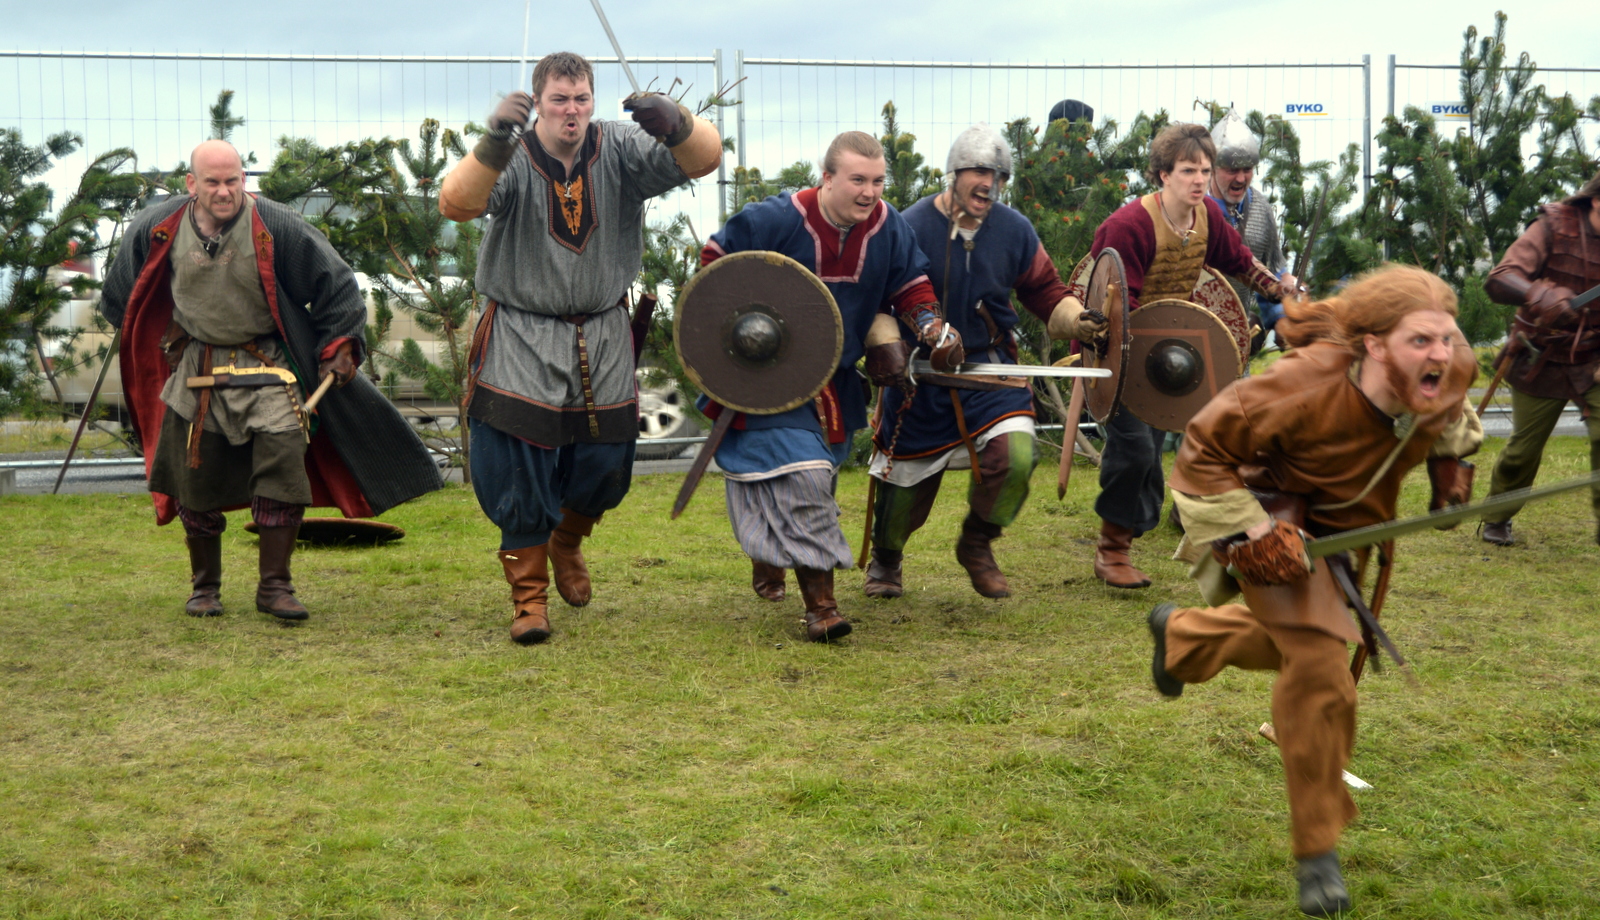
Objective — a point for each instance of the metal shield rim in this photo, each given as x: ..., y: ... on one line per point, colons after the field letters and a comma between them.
x: 771, y: 258
x: 1226, y: 335
x: 1118, y: 334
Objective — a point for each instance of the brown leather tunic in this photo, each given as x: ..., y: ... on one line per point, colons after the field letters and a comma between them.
x: 1175, y: 270
x: 1304, y: 426
x: 1560, y: 247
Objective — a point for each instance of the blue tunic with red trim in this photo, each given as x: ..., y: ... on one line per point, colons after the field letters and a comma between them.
x: 1005, y: 255
x: 876, y: 265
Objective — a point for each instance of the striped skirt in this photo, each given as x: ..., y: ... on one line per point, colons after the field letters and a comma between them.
x: 790, y: 521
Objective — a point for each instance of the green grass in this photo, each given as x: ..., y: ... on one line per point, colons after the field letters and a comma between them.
x: 675, y: 751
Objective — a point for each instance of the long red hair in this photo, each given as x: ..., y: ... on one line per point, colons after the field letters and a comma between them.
x: 1373, y: 304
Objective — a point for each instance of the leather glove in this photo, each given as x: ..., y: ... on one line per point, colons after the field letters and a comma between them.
x: 886, y: 363
x: 1069, y: 320
x: 1277, y: 557
x: 342, y: 365
x: 1451, y: 479
x: 494, y: 148
x: 660, y: 117
x: 945, y: 351
x: 1550, y: 305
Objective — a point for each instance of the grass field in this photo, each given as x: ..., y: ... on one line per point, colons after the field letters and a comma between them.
x: 675, y: 751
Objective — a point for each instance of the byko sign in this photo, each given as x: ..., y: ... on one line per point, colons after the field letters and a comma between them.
x: 1308, y: 110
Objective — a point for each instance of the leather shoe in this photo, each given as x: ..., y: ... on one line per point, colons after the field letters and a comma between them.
x: 823, y: 622
x: 1168, y: 685
x: 1322, y: 891
x: 1111, y: 562
x: 767, y: 580
x: 1499, y: 533
x: 975, y: 554
x: 883, y: 574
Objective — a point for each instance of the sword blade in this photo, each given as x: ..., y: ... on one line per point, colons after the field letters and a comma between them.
x: 1379, y: 533
x: 89, y: 407
x: 1584, y: 298
x: 621, y: 58
x: 922, y: 366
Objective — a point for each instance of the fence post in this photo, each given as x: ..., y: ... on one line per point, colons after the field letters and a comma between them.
x: 1366, y: 126
x: 1391, y: 86
x: 738, y: 74
x: 722, y: 163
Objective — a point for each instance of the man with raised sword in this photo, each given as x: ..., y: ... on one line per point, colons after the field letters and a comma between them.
x: 979, y: 251
x: 227, y: 303
x: 552, y: 403
x: 1375, y: 385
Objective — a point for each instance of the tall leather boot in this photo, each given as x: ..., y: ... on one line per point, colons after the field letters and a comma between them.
x: 1111, y: 563
x: 883, y: 573
x: 529, y: 577
x: 572, y: 574
x: 823, y: 622
x: 275, y: 593
x: 977, y: 557
x: 205, y: 567
x: 767, y: 580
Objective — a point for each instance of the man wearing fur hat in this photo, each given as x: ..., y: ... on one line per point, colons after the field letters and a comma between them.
x: 1554, y: 348
x: 1165, y: 239
x: 1376, y: 385
x: 1247, y: 211
x: 979, y: 252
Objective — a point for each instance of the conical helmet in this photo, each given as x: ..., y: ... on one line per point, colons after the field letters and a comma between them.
x: 1237, y: 147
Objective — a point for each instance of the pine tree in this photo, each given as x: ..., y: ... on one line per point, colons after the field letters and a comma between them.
x: 908, y: 181
x: 34, y: 240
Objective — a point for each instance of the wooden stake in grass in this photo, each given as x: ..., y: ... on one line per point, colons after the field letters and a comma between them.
x: 1350, y: 779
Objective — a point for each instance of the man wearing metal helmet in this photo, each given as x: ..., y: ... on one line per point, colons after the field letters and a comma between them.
x: 1554, y: 348
x: 979, y: 251
x: 1247, y: 211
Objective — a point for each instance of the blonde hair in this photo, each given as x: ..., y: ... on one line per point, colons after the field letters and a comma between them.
x: 1373, y: 304
x: 858, y: 142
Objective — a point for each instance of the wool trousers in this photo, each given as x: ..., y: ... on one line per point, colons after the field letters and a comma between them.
x: 1532, y: 420
x: 1313, y: 705
x: 523, y: 487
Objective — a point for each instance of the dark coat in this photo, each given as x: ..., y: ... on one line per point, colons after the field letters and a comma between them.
x: 364, y: 458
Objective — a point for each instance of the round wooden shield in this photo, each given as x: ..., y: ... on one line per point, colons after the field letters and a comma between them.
x: 1180, y: 356
x: 329, y: 531
x: 1216, y: 294
x: 1106, y: 292
x: 757, y: 332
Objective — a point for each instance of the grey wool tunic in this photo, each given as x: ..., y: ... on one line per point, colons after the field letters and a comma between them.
x: 558, y: 256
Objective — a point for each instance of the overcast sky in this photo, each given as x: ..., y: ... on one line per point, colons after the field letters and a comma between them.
x: 1555, y: 32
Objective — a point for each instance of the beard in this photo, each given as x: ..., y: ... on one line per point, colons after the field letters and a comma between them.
x: 1407, y: 386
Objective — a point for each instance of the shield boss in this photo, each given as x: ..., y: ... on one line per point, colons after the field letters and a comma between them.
x: 1180, y: 356
x: 757, y: 332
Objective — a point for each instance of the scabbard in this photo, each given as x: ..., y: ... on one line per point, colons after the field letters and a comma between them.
x: 703, y: 460
x: 1374, y: 632
x: 234, y: 381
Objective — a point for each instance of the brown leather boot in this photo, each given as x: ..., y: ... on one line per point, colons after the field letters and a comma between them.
x: 1111, y: 564
x: 205, y: 566
x: 767, y: 580
x: 976, y: 556
x: 275, y: 593
x: 529, y: 577
x: 883, y: 574
x: 823, y: 622
x: 572, y: 575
